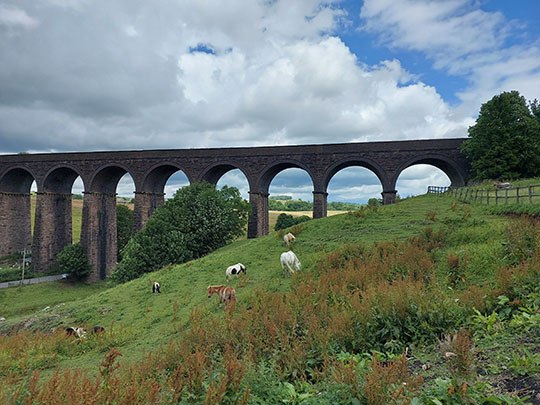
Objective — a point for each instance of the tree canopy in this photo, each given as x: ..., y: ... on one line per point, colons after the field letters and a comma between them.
x: 196, y: 221
x: 505, y: 141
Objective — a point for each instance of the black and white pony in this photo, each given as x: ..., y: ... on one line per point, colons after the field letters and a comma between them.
x: 235, y: 270
x: 155, y: 288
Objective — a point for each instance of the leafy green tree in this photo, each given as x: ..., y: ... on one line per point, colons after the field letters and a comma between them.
x: 124, y: 227
x: 74, y: 261
x: 196, y: 221
x: 505, y: 141
x: 535, y: 109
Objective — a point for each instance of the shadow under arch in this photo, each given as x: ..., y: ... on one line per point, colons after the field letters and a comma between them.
x: 17, y: 180
x: 274, y: 168
x: 106, y: 178
x: 155, y: 178
x: 451, y: 168
x: 214, y: 172
x: 60, y: 179
x: 16, y: 223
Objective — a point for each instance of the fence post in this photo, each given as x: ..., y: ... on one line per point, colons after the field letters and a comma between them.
x: 487, y: 197
x: 530, y: 194
x: 505, y: 196
x: 517, y: 195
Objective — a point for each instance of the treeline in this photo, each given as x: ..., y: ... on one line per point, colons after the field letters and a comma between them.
x: 299, y: 205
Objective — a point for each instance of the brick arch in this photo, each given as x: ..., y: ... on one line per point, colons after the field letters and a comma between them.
x: 155, y: 178
x: 17, y: 179
x: 273, y: 169
x: 450, y: 167
x: 106, y: 178
x: 215, y: 171
x: 60, y: 179
x: 350, y: 162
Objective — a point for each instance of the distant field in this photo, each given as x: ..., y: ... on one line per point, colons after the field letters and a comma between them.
x: 76, y: 206
x: 272, y: 216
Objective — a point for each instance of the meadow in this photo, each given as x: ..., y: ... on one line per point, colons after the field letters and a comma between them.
x: 426, y: 301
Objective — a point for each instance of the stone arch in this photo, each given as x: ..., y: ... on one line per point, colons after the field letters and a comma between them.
x: 214, y: 172
x: 274, y: 168
x: 106, y: 178
x: 258, y: 196
x: 151, y: 193
x: 60, y: 179
x: 18, y: 179
x: 15, y: 213
x: 451, y: 168
x: 155, y: 178
x: 349, y: 162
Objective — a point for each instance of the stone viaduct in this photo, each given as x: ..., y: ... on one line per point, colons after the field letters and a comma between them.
x: 100, y: 172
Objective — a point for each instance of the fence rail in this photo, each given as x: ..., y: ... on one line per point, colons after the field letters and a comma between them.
x: 515, y: 195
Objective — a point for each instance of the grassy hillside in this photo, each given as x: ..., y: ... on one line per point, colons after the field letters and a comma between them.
x: 141, y: 322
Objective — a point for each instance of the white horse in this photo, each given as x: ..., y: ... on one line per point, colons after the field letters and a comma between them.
x: 289, y: 259
x: 234, y: 269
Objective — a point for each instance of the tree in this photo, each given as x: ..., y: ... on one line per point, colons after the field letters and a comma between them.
x: 196, y: 221
x: 124, y: 227
x: 505, y: 141
x: 74, y: 261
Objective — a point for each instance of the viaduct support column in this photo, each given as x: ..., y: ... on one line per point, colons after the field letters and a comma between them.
x: 52, y: 229
x: 389, y: 196
x: 145, y: 204
x: 98, y: 233
x: 258, y: 221
x: 319, y: 204
x: 15, y: 222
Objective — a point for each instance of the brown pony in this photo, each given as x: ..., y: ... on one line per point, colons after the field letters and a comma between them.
x: 226, y: 294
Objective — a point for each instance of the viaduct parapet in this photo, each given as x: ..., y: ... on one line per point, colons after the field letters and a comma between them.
x: 55, y: 173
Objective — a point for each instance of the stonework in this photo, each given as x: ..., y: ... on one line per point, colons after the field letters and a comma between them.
x: 100, y: 172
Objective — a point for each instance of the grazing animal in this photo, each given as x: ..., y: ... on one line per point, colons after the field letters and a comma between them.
x: 289, y: 259
x: 235, y: 269
x: 225, y: 294
x: 288, y: 238
x: 75, y: 331
x: 155, y: 288
x: 96, y: 330
x: 503, y: 186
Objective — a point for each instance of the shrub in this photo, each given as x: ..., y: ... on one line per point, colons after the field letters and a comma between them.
x: 74, y: 261
x: 286, y: 221
x: 196, y: 221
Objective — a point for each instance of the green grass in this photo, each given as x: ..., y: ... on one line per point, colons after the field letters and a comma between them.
x: 147, y: 321
x: 149, y: 317
x: 24, y: 300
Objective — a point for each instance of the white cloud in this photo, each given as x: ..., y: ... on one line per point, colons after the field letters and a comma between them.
x: 462, y: 39
x: 136, y: 75
x: 13, y: 17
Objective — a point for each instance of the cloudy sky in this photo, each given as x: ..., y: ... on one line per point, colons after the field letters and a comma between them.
x: 83, y: 75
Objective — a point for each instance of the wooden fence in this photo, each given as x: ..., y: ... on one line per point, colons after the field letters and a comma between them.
x: 516, y: 195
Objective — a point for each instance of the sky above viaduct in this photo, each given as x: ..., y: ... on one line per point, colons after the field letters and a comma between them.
x: 83, y: 75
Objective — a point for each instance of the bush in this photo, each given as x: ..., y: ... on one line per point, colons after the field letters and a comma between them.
x: 74, y: 261
x: 286, y: 221
x: 196, y: 221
